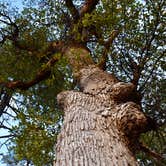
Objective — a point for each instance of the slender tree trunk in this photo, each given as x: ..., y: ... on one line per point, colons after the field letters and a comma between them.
x: 101, y: 124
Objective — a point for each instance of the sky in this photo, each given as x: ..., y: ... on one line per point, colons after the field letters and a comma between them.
x: 17, y: 3
x: 14, y: 3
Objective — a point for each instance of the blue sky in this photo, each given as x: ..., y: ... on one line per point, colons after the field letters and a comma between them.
x: 14, y: 3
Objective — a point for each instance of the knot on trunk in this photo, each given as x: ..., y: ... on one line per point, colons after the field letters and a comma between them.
x: 94, y: 81
x: 62, y: 99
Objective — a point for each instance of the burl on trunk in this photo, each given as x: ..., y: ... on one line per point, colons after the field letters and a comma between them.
x: 102, y: 124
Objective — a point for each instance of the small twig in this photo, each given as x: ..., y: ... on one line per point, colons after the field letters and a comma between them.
x: 5, y: 127
x: 154, y: 65
x: 4, y: 143
x: 7, y: 136
x: 125, y: 62
x: 9, y: 114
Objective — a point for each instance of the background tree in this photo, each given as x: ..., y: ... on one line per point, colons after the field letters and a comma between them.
x: 125, y: 38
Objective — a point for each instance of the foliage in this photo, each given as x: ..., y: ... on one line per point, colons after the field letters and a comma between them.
x: 140, y: 42
x: 156, y: 140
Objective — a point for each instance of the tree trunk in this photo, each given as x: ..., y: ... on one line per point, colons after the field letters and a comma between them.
x: 102, y: 124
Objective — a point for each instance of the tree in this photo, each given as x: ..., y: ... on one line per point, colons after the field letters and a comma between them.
x: 104, y: 116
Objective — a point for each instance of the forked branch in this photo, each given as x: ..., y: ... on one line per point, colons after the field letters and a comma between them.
x: 74, y: 12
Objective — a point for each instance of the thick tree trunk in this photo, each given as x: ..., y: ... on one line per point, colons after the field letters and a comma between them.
x: 101, y: 124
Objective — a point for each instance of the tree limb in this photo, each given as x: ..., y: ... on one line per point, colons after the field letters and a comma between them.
x: 7, y: 136
x: 146, y: 48
x: 4, y: 101
x: 74, y: 12
x: 125, y: 61
x: 8, y: 21
x: 88, y: 7
x: 151, y: 153
x: 151, y: 72
x: 5, y: 127
x: 40, y: 76
x: 107, y: 44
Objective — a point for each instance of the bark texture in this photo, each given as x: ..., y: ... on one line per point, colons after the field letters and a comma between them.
x: 102, y: 124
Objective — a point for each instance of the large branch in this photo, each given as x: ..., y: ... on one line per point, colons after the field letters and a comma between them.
x: 40, y: 76
x: 88, y: 7
x: 74, y: 12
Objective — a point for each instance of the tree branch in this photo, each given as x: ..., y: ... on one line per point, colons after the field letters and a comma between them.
x: 151, y: 72
x: 147, y: 46
x: 88, y: 7
x: 5, y: 127
x: 41, y: 75
x: 8, y: 21
x: 4, y: 101
x: 74, y: 12
x: 151, y: 153
x: 123, y: 69
x: 107, y: 44
x: 125, y: 61
x: 7, y: 136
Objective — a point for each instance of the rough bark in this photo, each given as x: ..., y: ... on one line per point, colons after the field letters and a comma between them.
x: 102, y: 124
